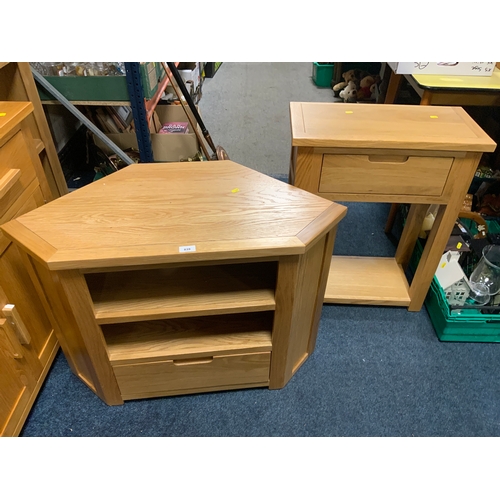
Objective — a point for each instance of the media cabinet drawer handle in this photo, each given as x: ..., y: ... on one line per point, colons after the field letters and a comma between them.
x: 17, y: 323
x: 195, y: 361
x: 8, y: 180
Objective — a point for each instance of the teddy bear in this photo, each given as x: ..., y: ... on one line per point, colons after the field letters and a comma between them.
x: 349, y: 93
x: 353, y: 75
x: 365, y: 88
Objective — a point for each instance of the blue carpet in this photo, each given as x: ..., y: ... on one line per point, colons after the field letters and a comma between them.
x: 376, y: 371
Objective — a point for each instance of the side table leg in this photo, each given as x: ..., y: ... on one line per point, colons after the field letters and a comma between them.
x: 395, y: 82
x: 462, y: 172
x: 408, y: 239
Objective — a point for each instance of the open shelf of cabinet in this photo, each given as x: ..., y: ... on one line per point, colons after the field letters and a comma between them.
x: 182, y: 291
x: 187, y: 338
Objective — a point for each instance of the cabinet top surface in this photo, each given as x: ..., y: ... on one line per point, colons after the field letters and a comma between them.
x: 12, y: 113
x: 174, y: 212
x: 387, y: 126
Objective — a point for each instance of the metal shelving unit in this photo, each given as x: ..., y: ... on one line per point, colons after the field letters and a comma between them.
x: 142, y: 108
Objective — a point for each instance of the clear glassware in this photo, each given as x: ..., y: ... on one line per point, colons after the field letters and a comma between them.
x: 487, y: 271
x: 478, y: 294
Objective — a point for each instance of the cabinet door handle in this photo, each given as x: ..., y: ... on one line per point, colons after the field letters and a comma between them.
x: 13, y: 344
x: 17, y: 323
x: 8, y: 180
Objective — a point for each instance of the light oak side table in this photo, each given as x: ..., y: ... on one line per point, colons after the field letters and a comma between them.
x: 420, y: 155
x: 178, y: 278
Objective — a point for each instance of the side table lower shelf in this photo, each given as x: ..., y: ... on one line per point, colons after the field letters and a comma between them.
x: 367, y: 280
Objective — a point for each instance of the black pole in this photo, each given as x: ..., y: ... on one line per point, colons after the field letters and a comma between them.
x: 180, y: 82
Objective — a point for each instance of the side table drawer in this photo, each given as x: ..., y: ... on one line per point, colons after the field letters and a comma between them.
x: 16, y: 170
x: 383, y: 174
x: 198, y: 374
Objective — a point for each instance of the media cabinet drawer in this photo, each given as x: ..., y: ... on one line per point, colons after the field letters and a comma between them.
x: 204, y: 373
x: 384, y: 174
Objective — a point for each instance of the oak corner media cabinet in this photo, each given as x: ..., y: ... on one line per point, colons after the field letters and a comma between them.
x: 182, y: 277
x: 419, y: 155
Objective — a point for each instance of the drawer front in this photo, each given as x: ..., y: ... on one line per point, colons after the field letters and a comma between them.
x: 146, y: 379
x: 16, y: 170
x: 386, y: 175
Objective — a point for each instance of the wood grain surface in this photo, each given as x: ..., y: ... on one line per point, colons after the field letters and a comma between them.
x: 188, y: 337
x: 398, y: 126
x: 151, y: 213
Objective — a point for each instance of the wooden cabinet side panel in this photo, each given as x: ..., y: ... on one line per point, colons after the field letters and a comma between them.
x: 286, y: 287
x: 310, y: 273
x: 52, y: 166
x: 69, y: 336
x: 35, y: 160
x: 299, y: 296
x: 329, y: 243
x: 73, y: 288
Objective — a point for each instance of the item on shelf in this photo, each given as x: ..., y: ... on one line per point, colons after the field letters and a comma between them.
x: 80, y: 68
x: 349, y: 93
x: 210, y: 69
x: 174, y: 128
x: 362, y: 86
x: 452, y: 279
x: 487, y: 271
x: 219, y: 153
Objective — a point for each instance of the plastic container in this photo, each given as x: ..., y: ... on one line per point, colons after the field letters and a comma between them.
x: 466, y: 325
x: 322, y: 74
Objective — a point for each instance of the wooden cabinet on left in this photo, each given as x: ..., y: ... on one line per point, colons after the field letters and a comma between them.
x: 28, y: 342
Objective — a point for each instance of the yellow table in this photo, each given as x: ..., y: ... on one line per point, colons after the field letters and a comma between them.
x: 449, y: 90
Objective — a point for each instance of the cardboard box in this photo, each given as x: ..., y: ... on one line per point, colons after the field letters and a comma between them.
x: 443, y: 68
x: 190, y: 72
x: 173, y: 147
x: 166, y: 147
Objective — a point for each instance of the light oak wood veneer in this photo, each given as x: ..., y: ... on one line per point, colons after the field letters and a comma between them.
x: 177, y: 278
x: 420, y: 155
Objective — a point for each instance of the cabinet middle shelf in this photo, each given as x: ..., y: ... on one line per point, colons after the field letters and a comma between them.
x: 176, y: 292
x: 147, y: 341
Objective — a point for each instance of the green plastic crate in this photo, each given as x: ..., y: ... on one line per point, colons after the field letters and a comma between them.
x: 470, y: 325
x: 322, y: 74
